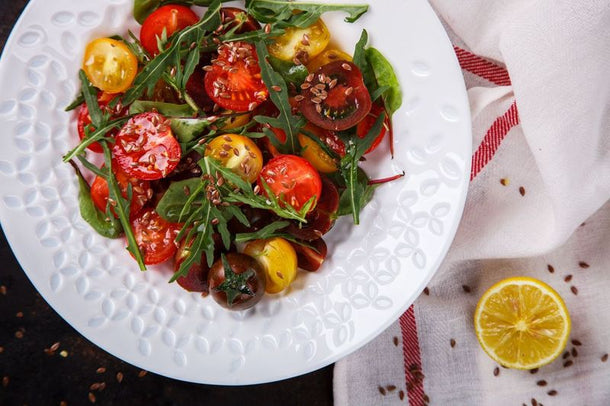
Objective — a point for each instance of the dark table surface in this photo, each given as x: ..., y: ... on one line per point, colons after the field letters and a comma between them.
x: 76, y: 372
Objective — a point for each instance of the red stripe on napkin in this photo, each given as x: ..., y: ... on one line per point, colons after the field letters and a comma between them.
x: 412, y: 358
x: 482, y: 67
x: 492, y: 140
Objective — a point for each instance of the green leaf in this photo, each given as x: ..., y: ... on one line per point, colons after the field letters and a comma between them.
x: 154, y: 70
x: 386, y: 78
x: 362, y: 191
x: 289, y: 13
x: 363, y: 64
x: 166, y: 109
x: 264, y: 233
x: 172, y: 204
x: 76, y: 102
x: 290, y: 72
x: 98, y: 135
x: 290, y: 124
x: 90, y: 95
x: 143, y: 8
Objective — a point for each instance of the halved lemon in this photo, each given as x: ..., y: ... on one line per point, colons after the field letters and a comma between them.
x: 522, y: 323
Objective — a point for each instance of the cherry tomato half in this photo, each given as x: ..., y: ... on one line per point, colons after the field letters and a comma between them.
x: 291, y: 179
x: 315, y: 154
x: 140, y: 191
x: 234, y: 81
x: 110, y: 65
x: 302, y: 44
x: 343, y: 101
x: 170, y: 18
x: 328, y: 56
x: 145, y: 148
x: 367, y: 123
x: 231, y: 17
x: 237, y: 153
x: 155, y: 236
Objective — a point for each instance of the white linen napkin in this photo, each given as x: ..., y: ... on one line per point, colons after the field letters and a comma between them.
x: 538, y: 79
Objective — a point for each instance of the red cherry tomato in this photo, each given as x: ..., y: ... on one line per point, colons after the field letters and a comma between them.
x: 291, y: 179
x: 335, y: 97
x: 367, y: 123
x: 234, y: 81
x: 145, y: 148
x: 170, y: 18
x: 140, y: 191
x: 84, y: 119
x: 233, y: 16
x: 155, y: 236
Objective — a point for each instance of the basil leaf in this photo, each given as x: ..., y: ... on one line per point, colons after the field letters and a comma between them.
x: 291, y: 73
x: 386, y: 78
x: 299, y: 14
x: 174, y: 201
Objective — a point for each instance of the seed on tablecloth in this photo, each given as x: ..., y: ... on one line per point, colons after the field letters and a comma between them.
x: 142, y: 373
x: 395, y: 341
x: 541, y: 382
x: 504, y: 182
x: 583, y: 264
x: 18, y: 334
x: 466, y: 288
x: 19, y: 315
x: 91, y: 397
x: 3, y: 290
x: 534, y: 402
x: 568, y: 363
x: 391, y: 388
x: 576, y: 342
x: 521, y: 190
x: 552, y: 392
x: 574, y: 290
x: 452, y: 343
x: 100, y: 370
x: 63, y: 353
x: 604, y: 357
x: 5, y: 381
x: 1, y: 350
x: 63, y: 403
x: 533, y: 371
x: 574, y: 352
x: 426, y: 291
x: 94, y: 386
x: 568, y: 278
x: 566, y: 355
x: 496, y: 371
x: 550, y: 268
x: 119, y: 377
x: 381, y: 390
x: 426, y: 398
x: 401, y: 394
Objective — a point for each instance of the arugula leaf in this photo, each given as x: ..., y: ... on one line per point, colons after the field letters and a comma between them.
x: 386, y: 78
x: 262, y: 234
x: 299, y: 14
x: 154, y: 70
x: 90, y: 96
x: 76, y: 102
x: 143, y: 8
x: 166, y: 109
x: 285, y: 121
x: 363, y: 64
x: 363, y: 192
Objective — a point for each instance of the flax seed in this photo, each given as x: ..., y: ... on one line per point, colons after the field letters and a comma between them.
x: 305, y: 40
x: 252, y: 106
x: 119, y: 377
x: 91, y: 397
x: 533, y: 371
x: 466, y: 288
x: 574, y: 290
x: 381, y: 390
x: 305, y: 86
x: 452, y: 343
x: 541, y: 383
x: 426, y: 291
x: 276, y: 88
x: 316, y: 100
x: 395, y: 341
x: 574, y: 352
x: 349, y: 91
x: 568, y: 278
x: 346, y: 66
x: 504, y: 182
x: 550, y: 268
x: 5, y: 381
x: 142, y: 373
x: 318, y: 108
x: 401, y: 394
x: 604, y: 357
x: 100, y: 370
x: 267, y: 28
x: 583, y: 265
x: 568, y: 363
x: 552, y: 392
x: 235, y: 151
x: 534, y: 402
x: 565, y: 355
x: 576, y: 342
x: 332, y: 83
x: 496, y: 371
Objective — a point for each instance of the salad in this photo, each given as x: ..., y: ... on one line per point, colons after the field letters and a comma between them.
x: 230, y: 139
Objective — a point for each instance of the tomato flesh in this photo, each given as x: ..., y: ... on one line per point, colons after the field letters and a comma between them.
x: 292, y: 180
x: 140, y: 191
x: 335, y: 97
x: 367, y: 123
x: 110, y: 65
x: 155, y: 236
x: 145, y: 148
x: 234, y: 79
x: 170, y: 18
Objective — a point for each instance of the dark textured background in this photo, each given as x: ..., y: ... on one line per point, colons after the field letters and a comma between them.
x: 31, y: 374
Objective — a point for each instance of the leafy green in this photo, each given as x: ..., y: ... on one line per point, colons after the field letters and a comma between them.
x: 78, y: 100
x: 166, y: 109
x: 155, y: 69
x: 290, y: 72
x: 174, y: 201
x: 289, y: 13
x: 386, y: 78
x: 90, y: 96
x: 285, y: 121
x: 264, y: 233
x: 362, y: 191
x: 143, y: 8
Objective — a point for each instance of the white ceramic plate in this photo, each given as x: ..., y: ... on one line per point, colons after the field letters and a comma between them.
x: 373, y: 273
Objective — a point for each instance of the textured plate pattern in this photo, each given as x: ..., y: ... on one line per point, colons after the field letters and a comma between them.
x: 374, y: 271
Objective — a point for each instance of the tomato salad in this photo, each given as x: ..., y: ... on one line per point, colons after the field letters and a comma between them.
x: 230, y: 139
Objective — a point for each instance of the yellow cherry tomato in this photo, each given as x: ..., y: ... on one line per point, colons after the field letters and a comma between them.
x: 237, y: 153
x: 326, y: 57
x: 235, y: 121
x: 314, y: 154
x: 110, y: 65
x: 279, y: 260
x: 311, y: 40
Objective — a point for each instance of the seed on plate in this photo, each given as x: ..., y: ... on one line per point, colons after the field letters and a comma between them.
x: 533, y: 371
x: 496, y: 371
x: 583, y: 265
x: 552, y: 392
x: 541, y: 382
x: 401, y: 395
x: 568, y: 278
x: 395, y: 341
x: 565, y: 355
x: 521, y: 190
x: 574, y: 290
x: 574, y: 352
x: 466, y: 288
x: 426, y: 291
x: 534, y: 402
